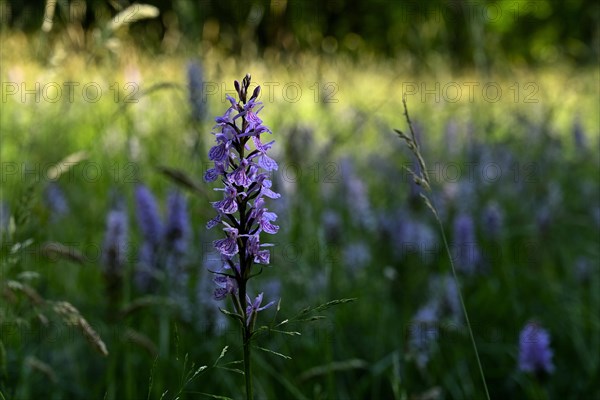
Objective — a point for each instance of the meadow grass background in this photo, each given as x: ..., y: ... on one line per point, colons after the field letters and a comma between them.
x: 351, y: 227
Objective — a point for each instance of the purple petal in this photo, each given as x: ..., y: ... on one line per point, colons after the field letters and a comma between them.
x: 259, y: 203
x: 261, y: 129
x: 268, y: 227
x: 239, y: 178
x: 231, y: 100
x: 253, y: 244
x: 253, y: 119
x: 269, y: 216
x: 257, y: 302
x: 267, y: 163
x: 263, y: 148
x: 211, y: 175
x: 227, y: 247
x: 213, y: 222
x: 220, y: 293
x: 218, y: 153
x: 269, y: 193
x: 262, y: 257
x: 226, y: 206
x: 224, y: 119
x: 265, y: 307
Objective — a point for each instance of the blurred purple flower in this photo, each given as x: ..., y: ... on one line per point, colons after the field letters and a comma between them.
x: 444, y: 291
x: 177, y: 230
x: 411, y: 237
x: 196, y: 90
x: 425, y: 239
x: 146, y: 273
x: 115, y: 242
x: 164, y: 246
x: 423, y: 334
x: 543, y: 218
x: 356, y: 195
x: 493, y: 219
x: 466, y: 252
x: 332, y: 224
x: 535, y: 354
x: 579, y: 135
x: 442, y: 307
x: 460, y: 194
x: 356, y: 256
x: 55, y: 200
x: 148, y: 216
x: 151, y: 227
x: 4, y: 216
x: 583, y: 269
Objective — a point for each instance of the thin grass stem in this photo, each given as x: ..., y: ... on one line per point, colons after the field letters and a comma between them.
x: 422, y: 178
x: 462, y: 304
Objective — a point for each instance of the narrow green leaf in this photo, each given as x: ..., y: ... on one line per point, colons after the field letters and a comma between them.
x: 214, y: 396
x: 234, y: 362
x: 285, y: 321
x: 237, y: 371
x: 290, y: 333
x: 235, y: 316
x: 273, y: 352
x: 223, y: 352
x: 323, y: 306
x: 429, y: 205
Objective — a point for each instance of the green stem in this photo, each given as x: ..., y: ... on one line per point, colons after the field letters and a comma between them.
x: 423, y: 179
x: 246, y: 333
x: 462, y: 303
x: 164, y: 334
x: 247, y: 365
x: 164, y: 322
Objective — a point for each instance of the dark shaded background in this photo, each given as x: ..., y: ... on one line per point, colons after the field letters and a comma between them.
x: 466, y: 33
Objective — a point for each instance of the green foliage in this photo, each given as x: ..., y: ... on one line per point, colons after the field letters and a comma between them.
x: 480, y: 34
x: 356, y: 350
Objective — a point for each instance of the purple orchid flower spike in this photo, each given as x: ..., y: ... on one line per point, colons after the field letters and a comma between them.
x: 242, y: 165
x: 152, y: 230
